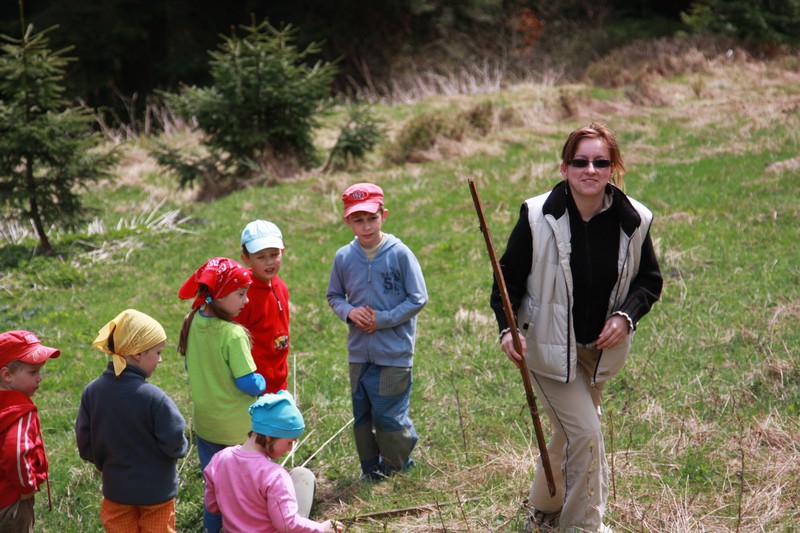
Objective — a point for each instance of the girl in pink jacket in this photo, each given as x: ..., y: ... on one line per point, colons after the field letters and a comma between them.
x: 254, y: 493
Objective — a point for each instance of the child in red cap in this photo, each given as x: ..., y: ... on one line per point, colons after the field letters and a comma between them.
x: 23, y: 463
x: 377, y: 288
x: 222, y: 375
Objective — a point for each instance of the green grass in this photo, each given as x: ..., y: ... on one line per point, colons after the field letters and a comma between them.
x: 704, y: 415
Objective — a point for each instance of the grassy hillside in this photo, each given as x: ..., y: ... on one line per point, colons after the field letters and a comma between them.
x: 703, y: 423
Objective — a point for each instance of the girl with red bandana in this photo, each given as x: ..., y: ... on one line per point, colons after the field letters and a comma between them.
x: 223, y: 381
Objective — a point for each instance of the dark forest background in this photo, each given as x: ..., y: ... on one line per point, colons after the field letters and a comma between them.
x: 127, y: 47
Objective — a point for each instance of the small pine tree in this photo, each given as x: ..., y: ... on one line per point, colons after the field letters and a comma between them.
x: 47, y: 148
x: 358, y: 136
x: 263, y: 101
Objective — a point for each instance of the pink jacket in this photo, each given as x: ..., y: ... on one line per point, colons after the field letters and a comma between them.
x: 253, y: 494
x: 23, y: 463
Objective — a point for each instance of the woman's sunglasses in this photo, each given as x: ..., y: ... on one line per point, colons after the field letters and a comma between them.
x: 583, y: 163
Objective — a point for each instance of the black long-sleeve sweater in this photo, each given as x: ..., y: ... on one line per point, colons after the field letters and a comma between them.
x: 593, y: 262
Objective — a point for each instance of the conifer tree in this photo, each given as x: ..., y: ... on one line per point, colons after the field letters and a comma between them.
x: 264, y: 100
x: 766, y: 23
x: 47, y: 148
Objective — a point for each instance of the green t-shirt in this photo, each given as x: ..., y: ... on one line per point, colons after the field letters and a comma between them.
x: 217, y: 353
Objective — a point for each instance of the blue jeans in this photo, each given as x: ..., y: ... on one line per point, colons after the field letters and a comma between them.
x: 384, y: 433
x: 212, y: 523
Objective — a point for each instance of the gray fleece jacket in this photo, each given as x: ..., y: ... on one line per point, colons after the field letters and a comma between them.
x: 391, y: 284
x: 134, y: 434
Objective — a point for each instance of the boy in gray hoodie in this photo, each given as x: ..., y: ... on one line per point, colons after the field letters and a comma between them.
x: 377, y: 288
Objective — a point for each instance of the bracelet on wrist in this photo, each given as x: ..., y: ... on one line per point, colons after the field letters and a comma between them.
x: 626, y: 317
x: 507, y: 330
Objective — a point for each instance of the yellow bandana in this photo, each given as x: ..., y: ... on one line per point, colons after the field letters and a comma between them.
x: 133, y: 332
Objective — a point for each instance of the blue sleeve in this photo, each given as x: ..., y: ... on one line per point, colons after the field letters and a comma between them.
x: 337, y: 293
x: 251, y: 384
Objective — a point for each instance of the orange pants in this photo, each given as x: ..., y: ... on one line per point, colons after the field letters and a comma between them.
x: 121, y: 518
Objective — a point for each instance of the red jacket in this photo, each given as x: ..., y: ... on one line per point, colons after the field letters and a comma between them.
x: 23, y: 463
x: 266, y: 317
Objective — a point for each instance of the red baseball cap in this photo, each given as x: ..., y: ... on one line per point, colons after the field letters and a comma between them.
x: 21, y: 345
x: 366, y: 197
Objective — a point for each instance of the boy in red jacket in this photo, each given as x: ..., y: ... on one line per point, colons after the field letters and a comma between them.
x: 23, y: 463
x: 266, y: 316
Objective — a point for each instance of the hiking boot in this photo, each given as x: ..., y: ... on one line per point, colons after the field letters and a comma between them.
x: 541, y: 521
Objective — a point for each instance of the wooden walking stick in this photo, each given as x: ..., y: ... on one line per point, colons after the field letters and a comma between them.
x: 512, y: 322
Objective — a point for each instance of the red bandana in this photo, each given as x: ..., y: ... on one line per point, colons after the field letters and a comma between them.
x: 221, y: 275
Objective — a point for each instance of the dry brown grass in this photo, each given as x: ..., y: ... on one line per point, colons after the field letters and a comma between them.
x: 722, y: 89
x: 743, y: 98
x: 760, y: 482
x: 662, y: 57
x: 759, y: 485
x: 483, y: 495
x: 138, y: 169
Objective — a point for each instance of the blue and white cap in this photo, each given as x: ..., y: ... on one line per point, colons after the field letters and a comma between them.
x: 276, y: 415
x: 260, y: 234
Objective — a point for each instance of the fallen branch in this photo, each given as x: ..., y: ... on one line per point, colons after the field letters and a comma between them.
x: 426, y: 508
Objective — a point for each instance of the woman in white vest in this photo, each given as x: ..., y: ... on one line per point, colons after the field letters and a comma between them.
x: 580, y: 271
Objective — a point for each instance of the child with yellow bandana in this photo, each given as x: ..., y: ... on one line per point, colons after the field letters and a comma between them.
x: 131, y: 430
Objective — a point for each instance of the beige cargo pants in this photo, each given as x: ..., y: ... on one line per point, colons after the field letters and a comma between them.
x: 576, y: 449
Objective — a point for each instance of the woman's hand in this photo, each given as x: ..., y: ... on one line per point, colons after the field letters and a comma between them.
x: 507, y: 345
x: 614, y: 331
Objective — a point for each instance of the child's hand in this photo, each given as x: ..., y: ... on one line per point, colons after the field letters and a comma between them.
x: 332, y: 526
x: 364, y: 318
